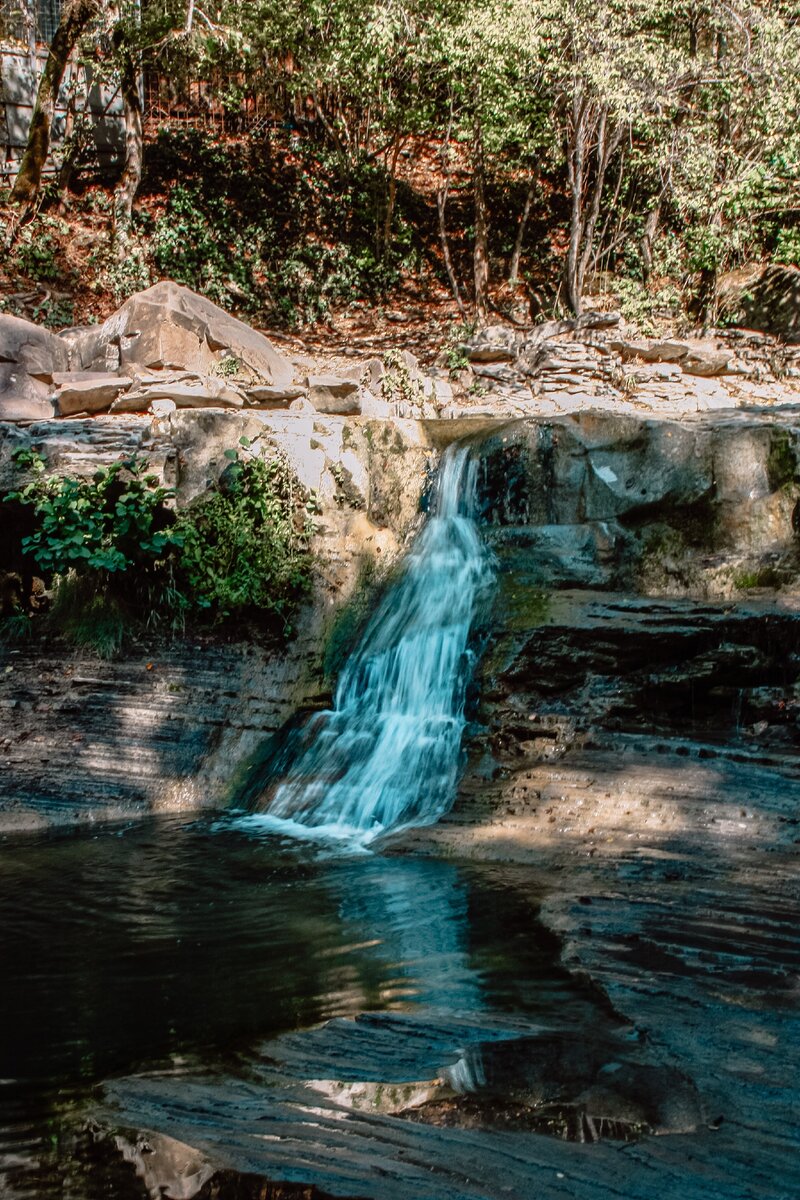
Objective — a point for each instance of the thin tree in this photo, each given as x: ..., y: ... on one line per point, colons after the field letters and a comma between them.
x: 76, y: 15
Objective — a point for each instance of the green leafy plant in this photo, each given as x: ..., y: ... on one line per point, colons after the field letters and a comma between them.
x: 245, y: 549
x: 36, y: 253
x: 118, y: 557
x: 106, y: 524
x: 453, y: 351
x: 398, y: 384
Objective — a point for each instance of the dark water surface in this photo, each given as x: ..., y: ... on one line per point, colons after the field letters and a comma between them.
x: 177, y: 946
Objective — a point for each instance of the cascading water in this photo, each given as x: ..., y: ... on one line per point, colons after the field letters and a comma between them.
x: 387, y: 755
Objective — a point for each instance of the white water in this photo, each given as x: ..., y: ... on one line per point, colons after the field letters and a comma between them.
x: 388, y: 754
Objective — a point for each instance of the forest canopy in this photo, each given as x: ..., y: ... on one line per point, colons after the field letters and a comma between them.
x: 525, y: 143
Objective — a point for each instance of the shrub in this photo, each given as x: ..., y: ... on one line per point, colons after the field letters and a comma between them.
x: 118, y: 557
x: 244, y: 550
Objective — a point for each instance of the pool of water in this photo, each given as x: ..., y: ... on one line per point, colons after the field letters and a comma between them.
x: 181, y: 947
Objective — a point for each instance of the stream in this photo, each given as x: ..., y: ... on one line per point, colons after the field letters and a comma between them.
x: 180, y: 948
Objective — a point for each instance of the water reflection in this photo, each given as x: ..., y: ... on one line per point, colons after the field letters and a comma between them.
x: 171, y: 945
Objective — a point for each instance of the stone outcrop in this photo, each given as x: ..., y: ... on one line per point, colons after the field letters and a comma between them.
x: 168, y: 343
x: 170, y: 727
x: 592, y: 500
x: 29, y: 358
x: 168, y: 327
x: 564, y: 366
x: 766, y: 299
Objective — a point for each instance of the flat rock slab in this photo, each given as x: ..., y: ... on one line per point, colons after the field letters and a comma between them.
x: 267, y: 395
x: 201, y: 392
x: 93, y: 392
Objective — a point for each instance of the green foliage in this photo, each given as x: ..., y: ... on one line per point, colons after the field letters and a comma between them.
x: 245, y: 550
x: 36, y: 250
x: 109, y: 523
x: 123, y: 276
x: 228, y: 367
x: 277, y: 227
x: 90, y: 614
x: 758, y: 577
x: 119, y: 557
x: 642, y: 305
x: 16, y: 628
x: 787, y: 247
x: 454, y: 355
x: 398, y: 384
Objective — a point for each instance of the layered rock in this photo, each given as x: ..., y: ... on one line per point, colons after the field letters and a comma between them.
x: 561, y: 366
x: 169, y: 344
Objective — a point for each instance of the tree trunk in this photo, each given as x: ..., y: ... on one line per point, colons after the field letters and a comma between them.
x: 607, y: 145
x: 131, y: 177
x: 391, y: 198
x: 648, y: 237
x: 481, y: 250
x: 513, y: 274
x: 75, y: 16
x: 441, y: 208
x: 576, y: 152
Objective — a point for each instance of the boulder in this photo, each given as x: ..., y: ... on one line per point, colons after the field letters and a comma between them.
x: 38, y: 351
x: 168, y: 326
x: 333, y: 394
x: 88, y: 392
x: 667, y: 351
x: 766, y: 299
x: 89, y: 349
x: 700, y: 361
x: 495, y: 344
x: 29, y: 358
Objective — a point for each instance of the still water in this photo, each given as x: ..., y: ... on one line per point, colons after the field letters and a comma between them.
x: 181, y: 946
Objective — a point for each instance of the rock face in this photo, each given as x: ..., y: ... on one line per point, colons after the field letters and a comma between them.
x: 594, y: 500
x: 168, y: 728
x: 29, y: 358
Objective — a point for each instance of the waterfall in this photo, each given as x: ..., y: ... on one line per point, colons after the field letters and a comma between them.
x: 387, y: 755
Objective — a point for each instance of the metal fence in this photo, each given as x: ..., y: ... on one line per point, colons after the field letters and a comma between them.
x: 29, y: 21
x: 82, y: 98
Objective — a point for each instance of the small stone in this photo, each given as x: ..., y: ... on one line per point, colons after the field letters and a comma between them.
x: 333, y: 394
